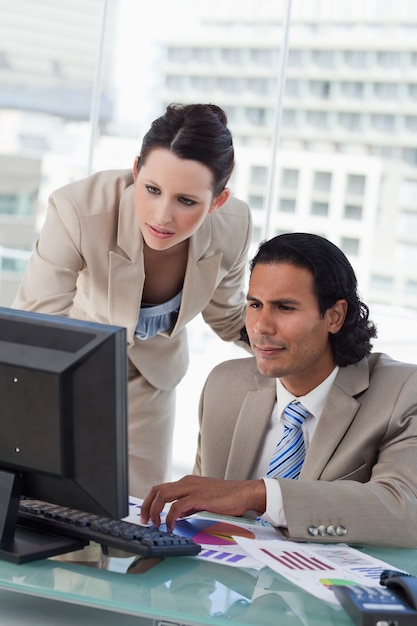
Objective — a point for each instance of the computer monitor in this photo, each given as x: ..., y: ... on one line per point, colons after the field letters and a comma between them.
x: 63, y: 423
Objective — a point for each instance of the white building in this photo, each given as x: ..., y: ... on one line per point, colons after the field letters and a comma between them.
x: 346, y: 164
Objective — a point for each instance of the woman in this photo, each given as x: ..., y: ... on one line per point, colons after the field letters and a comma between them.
x: 150, y: 250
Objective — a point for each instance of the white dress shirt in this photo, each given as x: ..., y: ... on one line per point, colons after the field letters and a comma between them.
x: 314, y: 402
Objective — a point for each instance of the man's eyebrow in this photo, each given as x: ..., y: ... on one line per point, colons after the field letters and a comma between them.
x: 279, y: 301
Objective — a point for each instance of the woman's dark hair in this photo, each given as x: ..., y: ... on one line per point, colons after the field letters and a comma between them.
x: 334, y: 279
x: 198, y: 132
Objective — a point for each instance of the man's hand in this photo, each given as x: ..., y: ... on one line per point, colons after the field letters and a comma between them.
x: 197, y: 493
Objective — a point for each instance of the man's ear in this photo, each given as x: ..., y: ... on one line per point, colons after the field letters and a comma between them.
x: 337, y: 315
x: 219, y: 200
x: 136, y: 167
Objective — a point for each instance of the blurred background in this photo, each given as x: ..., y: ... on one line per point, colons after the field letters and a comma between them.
x: 321, y: 98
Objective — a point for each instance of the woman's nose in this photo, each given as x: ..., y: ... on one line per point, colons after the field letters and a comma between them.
x: 163, y: 213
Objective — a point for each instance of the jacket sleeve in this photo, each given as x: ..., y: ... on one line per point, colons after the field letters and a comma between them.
x: 49, y: 281
x: 380, y: 509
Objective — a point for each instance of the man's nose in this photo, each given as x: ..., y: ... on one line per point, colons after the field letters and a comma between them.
x: 264, y: 324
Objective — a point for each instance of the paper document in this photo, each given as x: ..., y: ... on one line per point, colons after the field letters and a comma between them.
x: 237, y: 542
x: 315, y: 567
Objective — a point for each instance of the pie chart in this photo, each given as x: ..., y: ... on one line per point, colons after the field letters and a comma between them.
x: 208, y: 532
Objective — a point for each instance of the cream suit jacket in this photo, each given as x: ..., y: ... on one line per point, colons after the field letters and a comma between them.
x: 88, y: 264
x: 359, y: 480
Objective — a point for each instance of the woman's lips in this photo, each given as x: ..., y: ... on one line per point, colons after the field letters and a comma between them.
x: 159, y: 233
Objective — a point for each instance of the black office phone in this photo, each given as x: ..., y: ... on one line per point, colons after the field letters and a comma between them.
x: 392, y: 604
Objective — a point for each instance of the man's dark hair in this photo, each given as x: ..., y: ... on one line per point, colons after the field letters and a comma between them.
x: 333, y: 279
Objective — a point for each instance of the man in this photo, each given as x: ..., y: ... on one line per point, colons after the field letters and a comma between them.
x: 310, y: 334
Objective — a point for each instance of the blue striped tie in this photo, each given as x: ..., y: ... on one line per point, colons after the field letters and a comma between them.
x: 289, y: 454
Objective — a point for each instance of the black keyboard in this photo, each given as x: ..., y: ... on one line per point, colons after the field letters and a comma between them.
x: 132, y: 538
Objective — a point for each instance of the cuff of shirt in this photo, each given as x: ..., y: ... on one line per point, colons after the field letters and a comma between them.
x: 274, y: 513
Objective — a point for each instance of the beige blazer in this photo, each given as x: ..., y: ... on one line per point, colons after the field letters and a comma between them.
x: 88, y: 264
x: 359, y: 480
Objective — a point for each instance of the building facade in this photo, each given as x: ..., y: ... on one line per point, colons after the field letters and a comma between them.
x: 346, y: 165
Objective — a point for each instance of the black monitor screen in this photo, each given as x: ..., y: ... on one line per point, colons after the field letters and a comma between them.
x: 63, y: 413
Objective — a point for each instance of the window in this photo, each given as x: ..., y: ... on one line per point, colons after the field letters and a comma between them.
x: 324, y: 58
x: 350, y: 121
x: 350, y: 246
x: 352, y: 212
x: 356, y: 185
x: 386, y: 91
x: 289, y: 118
x: 351, y: 89
x: 411, y: 123
x: 203, y: 55
x: 289, y: 179
x: 256, y: 201
x: 256, y: 116
x: 408, y: 191
x: 205, y: 84
x: 407, y: 253
x: 287, y: 205
x: 357, y: 59
x: 260, y: 86
x: 232, y: 85
x: 320, y: 88
x: 17, y: 204
x: 381, y: 283
x: 411, y: 287
x: 264, y: 56
x: 258, y: 175
x: 322, y: 181
x: 317, y: 119
x: 293, y: 88
x: 407, y: 223
x: 295, y: 58
x: 8, y: 264
x: 176, y: 83
x: 232, y: 56
x: 319, y: 208
x: 383, y: 122
x: 410, y: 156
x: 179, y: 55
x: 4, y: 60
x: 389, y: 59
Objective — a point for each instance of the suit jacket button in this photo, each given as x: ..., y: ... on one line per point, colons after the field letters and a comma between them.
x: 341, y: 531
x: 313, y: 531
x: 322, y: 530
x: 331, y: 530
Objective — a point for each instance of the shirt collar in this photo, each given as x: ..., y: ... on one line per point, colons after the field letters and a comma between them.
x: 313, y: 401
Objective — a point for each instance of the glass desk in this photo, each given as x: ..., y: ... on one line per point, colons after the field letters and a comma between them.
x: 181, y: 590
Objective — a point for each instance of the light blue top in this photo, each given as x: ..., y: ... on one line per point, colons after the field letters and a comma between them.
x: 159, y: 318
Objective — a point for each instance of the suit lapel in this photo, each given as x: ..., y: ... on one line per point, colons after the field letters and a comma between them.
x: 250, y: 428
x: 200, y: 277
x: 338, y: 413
x: 126, y: 267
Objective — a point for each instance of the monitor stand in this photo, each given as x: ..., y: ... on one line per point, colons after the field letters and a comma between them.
x: 19, y: 544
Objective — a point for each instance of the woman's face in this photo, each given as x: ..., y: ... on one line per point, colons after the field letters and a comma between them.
x: 172, y: 198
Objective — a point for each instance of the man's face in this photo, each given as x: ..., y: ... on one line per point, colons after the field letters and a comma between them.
x: 289, y: 337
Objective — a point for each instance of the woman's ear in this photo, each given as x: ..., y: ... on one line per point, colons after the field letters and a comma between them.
x: 219, y: 200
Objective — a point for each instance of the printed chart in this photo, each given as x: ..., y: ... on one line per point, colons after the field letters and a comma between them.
x: 316, y: 568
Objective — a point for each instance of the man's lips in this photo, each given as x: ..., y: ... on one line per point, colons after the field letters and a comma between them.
x: 268, y: 350
x: 161, y: 233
